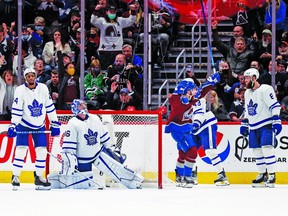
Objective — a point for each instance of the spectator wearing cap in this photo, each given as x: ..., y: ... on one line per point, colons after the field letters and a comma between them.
x: 280, y: 17
x: 265, y: 49
x: 283, y: 52
x: 49, y: 54
x: 236, y: 112
x: 134, y: 63
x: 127, y: 98
x: 111, y: 36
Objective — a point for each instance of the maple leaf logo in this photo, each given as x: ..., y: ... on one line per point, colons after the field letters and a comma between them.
x: 35, y: 108
x: 251, y: 107
x: 91, y: 137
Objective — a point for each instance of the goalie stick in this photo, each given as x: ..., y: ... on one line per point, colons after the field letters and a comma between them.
x: 100, y: 187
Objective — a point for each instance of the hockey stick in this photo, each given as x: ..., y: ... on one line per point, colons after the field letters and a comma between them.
x: 100, y: 187
x: 28, y: 132
x: 208, y: 38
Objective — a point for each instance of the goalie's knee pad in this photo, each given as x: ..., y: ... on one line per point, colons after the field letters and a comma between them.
x: 83, y: 180
x: 118, y: 172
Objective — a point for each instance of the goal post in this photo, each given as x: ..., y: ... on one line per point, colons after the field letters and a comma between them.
x: 138, y: 134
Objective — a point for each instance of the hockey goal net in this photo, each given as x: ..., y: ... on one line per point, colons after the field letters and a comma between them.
x: 138, y: 134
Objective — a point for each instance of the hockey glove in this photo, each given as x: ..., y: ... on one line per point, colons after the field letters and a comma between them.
x: 244, y: 128
x: 213, y: 79
x: 12, y: 131
x: 55, y: 128
x: 276, y: 125
x: 195, y: 126
x: 69, y: 163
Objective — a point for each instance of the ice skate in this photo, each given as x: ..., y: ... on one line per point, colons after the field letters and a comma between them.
x: 195, y: 177
x: 271, y: 180
x: 188, y: 182
x: 41, y: 183
x: 222, y: 179
x: 260, y: 180
x: 15, y: 182
x: 179, y: 180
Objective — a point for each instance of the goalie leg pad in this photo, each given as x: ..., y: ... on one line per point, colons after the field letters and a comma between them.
x: 118, y: 172
x: 75, y: 181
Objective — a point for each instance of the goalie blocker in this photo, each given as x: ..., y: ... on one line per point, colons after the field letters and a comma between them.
x: 105, y: 162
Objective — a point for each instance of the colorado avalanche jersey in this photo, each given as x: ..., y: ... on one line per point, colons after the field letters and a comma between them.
x: 85, y: 138
x: 30, y: 106
x: 260, y: 105
x: 205, y: 119
x: 111, y: 33
x: 180, y: 116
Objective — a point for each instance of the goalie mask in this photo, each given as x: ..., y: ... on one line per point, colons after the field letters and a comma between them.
x: 79, y: 107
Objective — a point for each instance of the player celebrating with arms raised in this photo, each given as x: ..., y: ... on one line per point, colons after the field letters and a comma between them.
x: 262, y: 123
x: 31, y: 103
x: 86, y: 143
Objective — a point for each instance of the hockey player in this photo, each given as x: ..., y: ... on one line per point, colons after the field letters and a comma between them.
x: 262, y: 123
x: 204, y: 128
x: 180, y: 126
x: 31, y: 103
x: 86, y: 143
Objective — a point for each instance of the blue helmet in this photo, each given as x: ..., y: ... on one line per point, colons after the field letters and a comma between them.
x: 75, y: 107
x: 184, y: 86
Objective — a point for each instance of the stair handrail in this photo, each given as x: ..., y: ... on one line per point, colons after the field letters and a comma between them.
x: 178, y: 75
x: 193, y: 44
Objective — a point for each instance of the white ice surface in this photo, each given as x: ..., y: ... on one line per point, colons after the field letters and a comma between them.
x: 204, y: 200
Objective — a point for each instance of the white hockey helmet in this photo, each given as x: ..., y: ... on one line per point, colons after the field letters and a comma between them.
x: 29, y: 70
x: 252, y: 72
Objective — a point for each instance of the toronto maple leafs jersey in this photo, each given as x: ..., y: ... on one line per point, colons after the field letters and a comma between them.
x: 30, y: 106
x: 205, y: 119
x: 260, y: 105
x: 85, y: 138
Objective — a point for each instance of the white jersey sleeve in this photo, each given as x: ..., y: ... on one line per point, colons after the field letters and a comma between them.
x: 260, y: 106
x: 205, y: 119
x: 30, y: 106
x: 85, y: 138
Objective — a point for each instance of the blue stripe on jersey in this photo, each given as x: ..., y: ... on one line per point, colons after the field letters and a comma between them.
x: 16, y: 114
x: 260, y: 122
x: 200, y: 111
x: 49, y: 106
x: 105, y: 140
x: 31, y: 125
x: 50, y: 111
x: 90, y: 158
x: 208, y: 121
x: 71, y: 148
x: 17, y: 109
x: 103, y: 135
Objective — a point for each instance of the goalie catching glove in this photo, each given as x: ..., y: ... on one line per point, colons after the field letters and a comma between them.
x: 69, y: 163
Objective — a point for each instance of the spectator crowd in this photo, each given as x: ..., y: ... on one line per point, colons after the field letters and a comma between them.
x: 51, y: 37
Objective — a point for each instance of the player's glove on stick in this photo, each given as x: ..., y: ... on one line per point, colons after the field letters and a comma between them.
x: 276, y: 125
x: 244, y: 128
x: 12, y: 131
x: 213, y: 79
x: 55, y: 128
x: 69, y: 163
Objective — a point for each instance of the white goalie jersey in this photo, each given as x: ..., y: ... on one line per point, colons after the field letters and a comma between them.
x: 30, y: 106
x: 85, y: 140
x: 260, y: 106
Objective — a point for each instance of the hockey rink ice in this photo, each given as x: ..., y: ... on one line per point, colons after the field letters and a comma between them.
x: 202, y: 199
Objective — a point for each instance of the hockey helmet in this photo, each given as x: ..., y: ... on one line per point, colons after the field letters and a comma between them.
x: 184, y: 86
x: 29, y: 70
x: 252, y: 72
x: 76, y: 109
